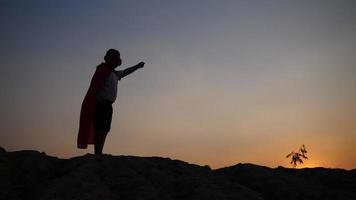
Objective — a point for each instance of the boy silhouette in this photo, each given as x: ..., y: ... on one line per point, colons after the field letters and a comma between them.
x: 96, y: 110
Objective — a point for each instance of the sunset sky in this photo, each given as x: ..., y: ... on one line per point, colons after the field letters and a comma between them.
x: 225, y: 82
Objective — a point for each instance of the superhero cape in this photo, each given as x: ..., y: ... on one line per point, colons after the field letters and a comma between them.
x: 86, y: 122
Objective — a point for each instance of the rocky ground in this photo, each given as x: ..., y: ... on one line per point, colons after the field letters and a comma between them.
x: 34, y: 175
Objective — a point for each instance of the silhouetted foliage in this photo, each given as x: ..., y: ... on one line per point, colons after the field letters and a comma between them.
x: 297, y: 156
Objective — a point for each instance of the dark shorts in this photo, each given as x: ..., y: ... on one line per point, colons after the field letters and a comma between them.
x: 103, y: 116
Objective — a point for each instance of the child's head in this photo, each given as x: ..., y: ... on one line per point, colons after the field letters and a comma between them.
x: 112, y: 57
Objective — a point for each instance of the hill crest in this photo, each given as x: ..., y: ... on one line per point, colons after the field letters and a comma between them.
x: 30, y: 174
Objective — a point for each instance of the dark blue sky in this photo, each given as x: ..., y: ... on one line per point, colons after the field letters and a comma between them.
x: 220, y: 77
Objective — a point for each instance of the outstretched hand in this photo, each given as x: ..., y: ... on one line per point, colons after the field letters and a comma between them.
x: 129, y: 70
x: 140, y: 65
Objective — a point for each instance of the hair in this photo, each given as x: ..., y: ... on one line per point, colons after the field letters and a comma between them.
x: 110, y: 52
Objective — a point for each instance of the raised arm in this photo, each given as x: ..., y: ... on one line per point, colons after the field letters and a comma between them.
x: 129, y: 70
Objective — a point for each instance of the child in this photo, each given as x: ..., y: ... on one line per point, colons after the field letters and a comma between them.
x: 96, y: 111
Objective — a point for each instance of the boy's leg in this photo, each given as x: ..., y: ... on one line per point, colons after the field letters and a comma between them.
x: 102, y: 124
x: 99, y: 142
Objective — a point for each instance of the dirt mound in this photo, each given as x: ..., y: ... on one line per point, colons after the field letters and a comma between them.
x: 34, y: 175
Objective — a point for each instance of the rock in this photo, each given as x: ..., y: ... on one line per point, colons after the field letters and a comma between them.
x: 2, y: 150
x: 34, y: 175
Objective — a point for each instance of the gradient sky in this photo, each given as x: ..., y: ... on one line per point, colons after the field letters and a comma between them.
x: 225, y: 82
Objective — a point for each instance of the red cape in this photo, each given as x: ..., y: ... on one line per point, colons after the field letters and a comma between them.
x: 86, y: 122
